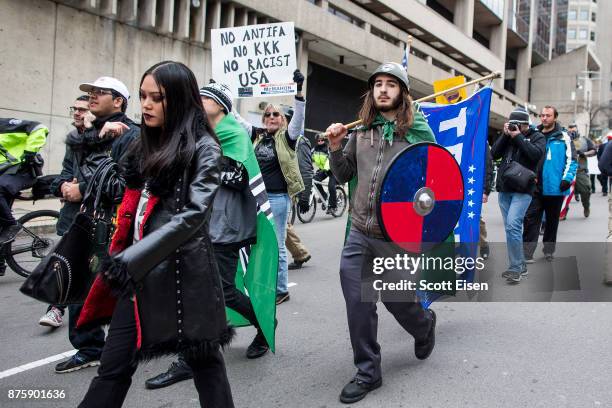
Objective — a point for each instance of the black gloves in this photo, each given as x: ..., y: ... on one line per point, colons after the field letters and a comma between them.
x: 115, y: 274
x: 298, y: 78
x: 29, y: 157
x: 564, y: 185
x: 303, y: 206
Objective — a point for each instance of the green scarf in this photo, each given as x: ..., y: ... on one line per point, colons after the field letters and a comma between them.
x: 418, y: 132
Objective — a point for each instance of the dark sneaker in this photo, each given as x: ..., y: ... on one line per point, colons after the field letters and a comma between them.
x: 330, y: 210
x: 258, y: 347
x: 53, y: 318
x: 356, y: 390
x: 298, y: 264
x: 484, y: 252
x: 422, y: 349
x: 549, y: 257
x: 178, y: 371
x: 506, y: 274
x: 524, y: 272
x: 587, y: 212
x: 514, y: 277
x: 75, y: 363
x: 8, y: 233
x: 282, y: 297
x: 529, y: 260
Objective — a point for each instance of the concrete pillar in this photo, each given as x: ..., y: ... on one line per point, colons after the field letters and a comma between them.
x: 183, y: 10
x: 242, y: 18
x: 367, y: 27
x: 324, y: 4
x: 252, y: 18
x: 198, y: 23
x: 128, y: 11
x: 497, y: 42
x: 213, y: 18
x: 108, y: 8
x: 523, y: 63
x: 146, y: 14
x: 165, y: 18
x: 228, y: 15
x: 464, y: 16
x: 90, y: 5
x: 429, y: 60
x: 302, y: 59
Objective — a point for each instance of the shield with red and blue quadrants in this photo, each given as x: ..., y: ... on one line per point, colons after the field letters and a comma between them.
x: 421, y: 197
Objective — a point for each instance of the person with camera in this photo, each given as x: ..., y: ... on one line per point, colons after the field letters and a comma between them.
x: 521, y: 148
x: 20, y: 141
x: 556, y: 171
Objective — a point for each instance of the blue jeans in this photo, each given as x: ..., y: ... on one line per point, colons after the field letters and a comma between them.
x: 280, y: 204
x: 513, y: 207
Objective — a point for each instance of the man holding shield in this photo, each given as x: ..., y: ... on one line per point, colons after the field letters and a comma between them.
x: 390, y: 123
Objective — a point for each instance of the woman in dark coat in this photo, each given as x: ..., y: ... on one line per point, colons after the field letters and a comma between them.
x: 167, y: 289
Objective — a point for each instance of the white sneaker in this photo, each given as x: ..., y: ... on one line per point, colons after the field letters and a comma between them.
x: 53, y: 318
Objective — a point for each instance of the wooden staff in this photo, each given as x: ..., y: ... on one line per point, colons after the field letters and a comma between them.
x: 433, y: 96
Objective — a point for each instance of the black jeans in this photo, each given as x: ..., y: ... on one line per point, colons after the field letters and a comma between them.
x: 603, y: 180
x: 551, y: 206
x: 227, y: 257
x: 358, y: 253
x: 88, y: 342
x: 322, y: 175
x: 118, y: 363
x: 10, y: 186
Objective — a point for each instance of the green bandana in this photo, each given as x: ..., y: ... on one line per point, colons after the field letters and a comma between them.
x: 419, y: 132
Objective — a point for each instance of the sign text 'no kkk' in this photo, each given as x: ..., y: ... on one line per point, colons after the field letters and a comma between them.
x: 256, y: 60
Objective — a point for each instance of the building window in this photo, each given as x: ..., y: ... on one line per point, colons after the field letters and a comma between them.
x: 592, y: 35
x: 345, y: 16
x: 571, y: 15
x: 571, y: 34
x: 584, y: 15
x: 583, y: 34
x: 593, y: 17
x: 384, y: 36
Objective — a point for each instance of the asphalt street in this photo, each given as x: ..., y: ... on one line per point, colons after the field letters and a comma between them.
x: 488, y: 354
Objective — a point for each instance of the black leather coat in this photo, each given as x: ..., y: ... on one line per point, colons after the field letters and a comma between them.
x: 178, y: 290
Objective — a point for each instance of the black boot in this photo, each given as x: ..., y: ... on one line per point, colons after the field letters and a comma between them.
x: 356, y: 390
x: 178, y: 371
x: 258, y: 347
x: 423, y: 348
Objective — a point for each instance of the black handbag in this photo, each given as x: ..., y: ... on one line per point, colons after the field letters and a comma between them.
x: 65, y: 275
x: 517, y: 177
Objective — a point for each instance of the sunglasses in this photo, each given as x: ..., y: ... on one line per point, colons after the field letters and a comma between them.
x: 275, y: 114
x: 99, y: 92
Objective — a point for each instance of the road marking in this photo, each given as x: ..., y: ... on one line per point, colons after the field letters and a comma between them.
x: 291, y: 284
x: 34, y: 364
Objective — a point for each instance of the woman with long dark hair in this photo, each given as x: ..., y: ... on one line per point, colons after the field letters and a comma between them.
x: 168, y: 293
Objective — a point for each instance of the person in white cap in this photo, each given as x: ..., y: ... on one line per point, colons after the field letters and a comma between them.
x: 109, y: 135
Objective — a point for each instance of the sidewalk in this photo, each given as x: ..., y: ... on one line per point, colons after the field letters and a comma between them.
x: 22, y: 207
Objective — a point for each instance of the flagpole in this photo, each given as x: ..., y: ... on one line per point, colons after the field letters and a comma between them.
x: 493, y: 75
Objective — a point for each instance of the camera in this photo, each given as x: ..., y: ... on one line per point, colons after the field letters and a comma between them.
x: 512, y: 127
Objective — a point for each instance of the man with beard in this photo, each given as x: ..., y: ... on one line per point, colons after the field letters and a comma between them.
x: 70, y: 193
x: 390, y: 123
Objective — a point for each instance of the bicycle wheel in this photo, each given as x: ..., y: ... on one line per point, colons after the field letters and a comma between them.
x: 310, y: 214
x: 340, y: 202
x: 35, y: 239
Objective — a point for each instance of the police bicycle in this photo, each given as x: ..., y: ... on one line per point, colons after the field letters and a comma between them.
x: 37, y: 234
x: 316, y: 198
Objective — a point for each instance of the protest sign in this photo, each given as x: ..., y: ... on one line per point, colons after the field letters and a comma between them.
x: 256, y: 60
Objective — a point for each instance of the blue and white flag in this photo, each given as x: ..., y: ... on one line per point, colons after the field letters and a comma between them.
x: 462, y: 128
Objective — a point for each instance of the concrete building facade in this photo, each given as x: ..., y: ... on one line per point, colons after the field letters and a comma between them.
x: 49, y: 46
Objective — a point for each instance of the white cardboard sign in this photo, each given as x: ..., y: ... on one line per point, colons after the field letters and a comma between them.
x: 256, y: 60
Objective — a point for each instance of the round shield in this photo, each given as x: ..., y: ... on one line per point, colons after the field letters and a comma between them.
x: 421, y: 197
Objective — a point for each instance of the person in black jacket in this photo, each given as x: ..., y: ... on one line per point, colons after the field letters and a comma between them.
x: 526, y: 146
x: 161, y: 271
x: 488, y: 186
